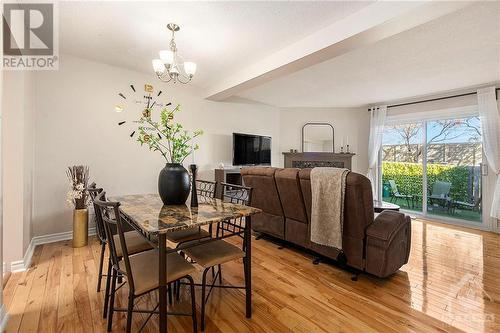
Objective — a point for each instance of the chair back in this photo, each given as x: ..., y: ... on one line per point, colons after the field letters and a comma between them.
x: 236, y: 194
x: 441, y: 189
x: 477, y: 202
x: 394, y: 187
x: 110, y: 214
x: 206, y: 188
x: 93, y: 194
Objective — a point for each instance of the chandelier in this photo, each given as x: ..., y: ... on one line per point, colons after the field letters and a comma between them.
x: 167, y: 68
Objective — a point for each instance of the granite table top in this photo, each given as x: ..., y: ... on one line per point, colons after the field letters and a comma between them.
x: 148, y: 212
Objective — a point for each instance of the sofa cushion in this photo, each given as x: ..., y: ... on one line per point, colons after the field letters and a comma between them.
x: 297, y: 232
x: 264, y: 192
x: 265, y: 196
x: 269, y: 224
x: 287, y: 181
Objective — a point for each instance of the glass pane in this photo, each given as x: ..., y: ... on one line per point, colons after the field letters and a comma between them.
x: 454, y: 155
x: 402, y: 165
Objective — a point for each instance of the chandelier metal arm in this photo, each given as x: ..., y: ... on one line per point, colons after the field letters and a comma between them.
x: 188, y: 79
x: 163, y: 77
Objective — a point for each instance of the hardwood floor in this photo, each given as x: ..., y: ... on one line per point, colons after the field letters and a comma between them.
x: 452, y: 283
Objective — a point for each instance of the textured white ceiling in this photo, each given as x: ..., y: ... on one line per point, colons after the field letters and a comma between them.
x: 221, y: 37
x: 458, y: 50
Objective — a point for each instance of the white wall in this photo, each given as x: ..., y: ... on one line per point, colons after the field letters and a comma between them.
x: 348, y: 122
x: 17, y: 136
x: 76, y: 124
x: 29, y: 158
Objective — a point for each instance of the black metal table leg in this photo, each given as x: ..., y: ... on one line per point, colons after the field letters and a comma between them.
x: 248, y: 271
x: 162, y: 248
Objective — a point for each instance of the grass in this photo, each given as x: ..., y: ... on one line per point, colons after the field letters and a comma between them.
x: 436, y: 210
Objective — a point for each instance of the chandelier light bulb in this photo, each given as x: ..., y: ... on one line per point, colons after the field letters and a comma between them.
x: 158, y: 66
x: 167, y: 56
x: 190, y: 68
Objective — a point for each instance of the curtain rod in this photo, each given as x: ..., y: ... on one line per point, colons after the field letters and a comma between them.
x: 435, y: 99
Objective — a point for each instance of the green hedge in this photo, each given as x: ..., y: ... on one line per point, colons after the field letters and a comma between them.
x: 408, y: 177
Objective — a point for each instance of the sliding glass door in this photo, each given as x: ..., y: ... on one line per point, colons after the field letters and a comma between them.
x: 453, y: 159
x: 433, y: 167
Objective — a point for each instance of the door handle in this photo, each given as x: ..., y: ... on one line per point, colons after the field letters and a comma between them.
x: 484, y: 169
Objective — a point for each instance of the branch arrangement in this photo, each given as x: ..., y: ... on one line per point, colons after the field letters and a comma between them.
x: 78, y: 176
x: 167, y: 137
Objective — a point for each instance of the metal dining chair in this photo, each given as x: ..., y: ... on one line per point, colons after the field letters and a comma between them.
x: 140, y: 270
x: 215, y: 253
x: 93, y: 193
x: 205, y: 189
x: 135, y: 242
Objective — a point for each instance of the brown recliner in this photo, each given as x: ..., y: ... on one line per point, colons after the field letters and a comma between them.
x: 378, y: 246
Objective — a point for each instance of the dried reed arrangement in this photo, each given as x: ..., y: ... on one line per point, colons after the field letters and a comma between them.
x: 78, y: 176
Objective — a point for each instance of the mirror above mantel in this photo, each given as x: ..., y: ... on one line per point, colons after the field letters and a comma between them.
x: 318, y: 138
x: 318, y: 149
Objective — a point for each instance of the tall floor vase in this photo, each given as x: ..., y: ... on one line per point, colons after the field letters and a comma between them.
x: 80, y: 227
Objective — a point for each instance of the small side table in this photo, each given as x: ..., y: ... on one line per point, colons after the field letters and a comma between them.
x: 379, y: 206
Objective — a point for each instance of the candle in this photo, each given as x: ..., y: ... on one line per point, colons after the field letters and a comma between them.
x: 342, y: 142
x: 347, y: 140
x: 192, y: 154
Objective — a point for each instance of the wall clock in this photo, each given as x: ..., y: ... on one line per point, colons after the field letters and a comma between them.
x: 143, y: 100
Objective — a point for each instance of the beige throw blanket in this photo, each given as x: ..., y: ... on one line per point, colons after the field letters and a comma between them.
x: 327, y: 212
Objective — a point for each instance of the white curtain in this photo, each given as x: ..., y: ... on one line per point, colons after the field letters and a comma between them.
x: 377, y: 122
x: 490, y: 124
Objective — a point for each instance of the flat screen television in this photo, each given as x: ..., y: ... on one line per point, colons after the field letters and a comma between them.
x: 251, y: 149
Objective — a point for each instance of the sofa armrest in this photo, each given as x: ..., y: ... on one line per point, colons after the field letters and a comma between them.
x: 388, y: 243
x: 386, y: 225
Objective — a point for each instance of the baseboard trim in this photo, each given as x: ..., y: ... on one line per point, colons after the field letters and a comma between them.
x: 22, y: 265
x: 4, y: 318
x: 6, y: 277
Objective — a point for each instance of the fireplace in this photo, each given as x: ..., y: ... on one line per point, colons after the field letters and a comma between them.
x: 311, y: 160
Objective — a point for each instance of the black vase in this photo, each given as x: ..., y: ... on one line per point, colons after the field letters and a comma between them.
x: 173, y: 184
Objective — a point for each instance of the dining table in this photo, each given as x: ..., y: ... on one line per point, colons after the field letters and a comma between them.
x: 147, y: 214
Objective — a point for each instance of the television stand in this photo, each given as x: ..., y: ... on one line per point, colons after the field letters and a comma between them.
x: 231, y: 176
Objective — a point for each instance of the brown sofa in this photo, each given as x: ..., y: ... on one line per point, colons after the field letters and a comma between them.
x: 379, y: 246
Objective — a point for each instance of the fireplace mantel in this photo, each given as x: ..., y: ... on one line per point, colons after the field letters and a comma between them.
x: 310, y: 160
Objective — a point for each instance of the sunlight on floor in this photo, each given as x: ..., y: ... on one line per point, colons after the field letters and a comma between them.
x: 456, y: 299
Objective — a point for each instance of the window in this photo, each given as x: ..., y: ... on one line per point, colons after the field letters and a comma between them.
x: 433, y: 166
